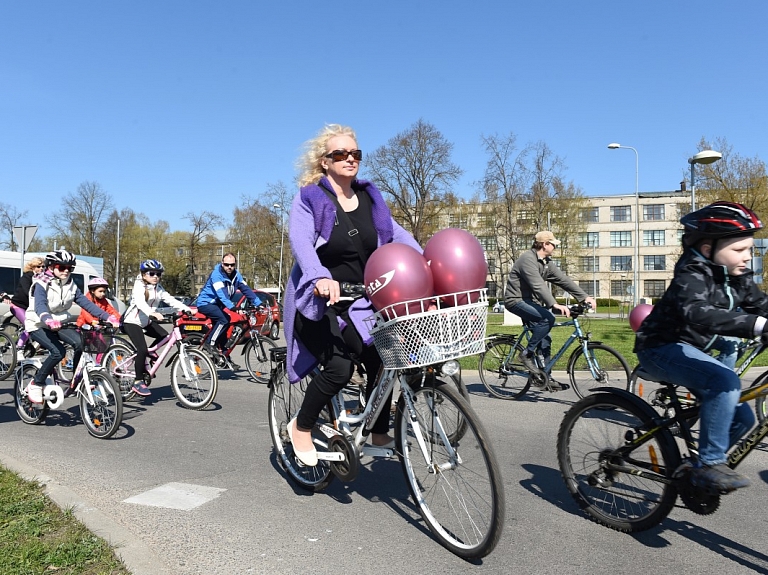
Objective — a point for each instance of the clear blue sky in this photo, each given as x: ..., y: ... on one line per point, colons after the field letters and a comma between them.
x: 178, y: 106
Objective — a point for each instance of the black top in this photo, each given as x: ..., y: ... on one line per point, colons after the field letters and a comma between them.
x: 21, y: 295
x: 339, y: 255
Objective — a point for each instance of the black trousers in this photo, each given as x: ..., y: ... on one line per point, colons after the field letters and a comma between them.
x: 337, y: 352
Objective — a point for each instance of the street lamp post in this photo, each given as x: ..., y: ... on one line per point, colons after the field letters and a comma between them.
x: 636, y: 280
x: 282, y: 240
x: 703, y: 157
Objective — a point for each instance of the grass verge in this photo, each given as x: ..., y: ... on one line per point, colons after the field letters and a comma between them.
x: 37, y: 537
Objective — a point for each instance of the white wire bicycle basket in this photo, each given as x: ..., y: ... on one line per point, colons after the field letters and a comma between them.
x: 407, y: 334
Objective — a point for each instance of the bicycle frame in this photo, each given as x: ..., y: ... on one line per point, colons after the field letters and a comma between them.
x: 578, y: 333
x: 165, y: 346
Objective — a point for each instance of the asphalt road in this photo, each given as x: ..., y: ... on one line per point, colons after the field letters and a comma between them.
x: 237, y: 513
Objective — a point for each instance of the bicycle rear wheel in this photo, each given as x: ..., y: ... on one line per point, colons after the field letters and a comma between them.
x: 761, y: 406
x: 458, y: 491
x: 32, y: 413
x: 285, y: 399
x: 602, y: 366
x: 257, y: 361
x: 118, y: 360
x: 103, y: 417
x: 8, y: 355
x: 193, y: 378
x: 501, y: 371
x: 632, y: 499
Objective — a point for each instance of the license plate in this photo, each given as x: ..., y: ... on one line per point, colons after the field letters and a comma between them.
x: 193, y: 328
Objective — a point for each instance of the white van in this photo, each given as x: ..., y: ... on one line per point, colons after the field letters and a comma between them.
x: 86, y: 268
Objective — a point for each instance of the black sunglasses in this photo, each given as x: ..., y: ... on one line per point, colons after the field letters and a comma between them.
x: 153, y: 273
x: 341, y: 155
x: 229, y: 265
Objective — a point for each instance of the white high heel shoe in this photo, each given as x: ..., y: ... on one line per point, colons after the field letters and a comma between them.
x: 308, y: 458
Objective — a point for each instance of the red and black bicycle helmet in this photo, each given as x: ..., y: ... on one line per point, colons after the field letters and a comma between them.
x: 720, y: 220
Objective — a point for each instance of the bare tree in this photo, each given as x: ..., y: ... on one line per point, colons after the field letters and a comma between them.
x: 10, y: 216
x: 734, y: 178
x: 415, y: 170
x: 203, y: 225
x: 77, y: 223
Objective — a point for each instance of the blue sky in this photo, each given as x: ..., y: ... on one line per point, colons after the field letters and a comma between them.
x: 179, y: 106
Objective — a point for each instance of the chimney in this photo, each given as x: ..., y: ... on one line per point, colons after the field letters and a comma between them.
x: 682, y: 186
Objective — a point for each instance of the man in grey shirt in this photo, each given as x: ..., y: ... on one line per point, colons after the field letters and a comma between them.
x: 528, y: 295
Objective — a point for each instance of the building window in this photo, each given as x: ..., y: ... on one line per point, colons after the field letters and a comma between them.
x: 492, y: 288
x: 592, y: 288
x: 589, y: 264
x: 653, y: 237
x: 621, y: 239
x: 589, y: 215
x: 653, y: 212
x: 621, y: 263
x: 491, y: 265
x: 458, y: 221
x: 621, y: 214
x: 654, y: 263
x: 619, y: 288
x: 525, y: 216
x: 589, y: 240
x: 488, y: 243
x: 654, y: 288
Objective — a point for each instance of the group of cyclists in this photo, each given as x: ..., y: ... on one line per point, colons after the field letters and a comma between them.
x: 46, y: 293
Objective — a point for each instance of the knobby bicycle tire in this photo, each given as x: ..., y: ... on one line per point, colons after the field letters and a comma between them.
x: 589, y: 435
x: 501, y: 371
x: 611, y: 368
x: 285, y: 399
x: 459, y: 492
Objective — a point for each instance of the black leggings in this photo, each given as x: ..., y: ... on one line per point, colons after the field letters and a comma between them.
x: 335, y: 350
x: 136, y: 333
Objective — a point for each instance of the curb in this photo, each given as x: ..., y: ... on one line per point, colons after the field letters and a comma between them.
x: 137, y: 557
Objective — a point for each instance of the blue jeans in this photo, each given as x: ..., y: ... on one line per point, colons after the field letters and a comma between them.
x: 540, y: 321
x: 723, y: 420
x: 220, y: 323
x: 52, y: 342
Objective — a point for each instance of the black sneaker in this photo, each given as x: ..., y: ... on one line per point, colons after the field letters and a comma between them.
x: 718, y: 477
x: 529, y: 363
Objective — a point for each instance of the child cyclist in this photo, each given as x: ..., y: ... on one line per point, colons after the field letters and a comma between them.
x: 146, y: 296
x: 52, y: 294
x: 97, y: 293
x: 711, y: 294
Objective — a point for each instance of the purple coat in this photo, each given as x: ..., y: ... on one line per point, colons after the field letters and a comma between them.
x: 312, y: 217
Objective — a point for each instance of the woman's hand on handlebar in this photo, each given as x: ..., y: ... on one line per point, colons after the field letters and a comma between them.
x: 328, y: 288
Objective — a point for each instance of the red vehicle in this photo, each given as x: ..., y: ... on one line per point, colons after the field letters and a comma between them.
x: 247, y: 329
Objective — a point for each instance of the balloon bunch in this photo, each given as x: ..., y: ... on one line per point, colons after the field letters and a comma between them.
x: 453, y: 261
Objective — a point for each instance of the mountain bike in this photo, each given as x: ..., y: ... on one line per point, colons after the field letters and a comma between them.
x: 193, y: 376
x: 101, y: 405
x: 249, y: 329
x: 625, y: 463
x: 591, y: 364
x: 446, y: 456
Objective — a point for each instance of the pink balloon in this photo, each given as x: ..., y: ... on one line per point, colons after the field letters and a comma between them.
x: 638, y: 314
x: 395, y: 273
x: 458, y: 263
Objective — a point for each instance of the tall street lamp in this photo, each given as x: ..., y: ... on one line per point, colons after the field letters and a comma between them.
x: 636, y: 280
x: 703, y: 157
x: 282, y: 240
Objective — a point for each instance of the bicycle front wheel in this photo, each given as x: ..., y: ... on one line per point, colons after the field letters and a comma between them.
x: 627, y: 491
x: 8, y: 356
x: 455, y: 484
x: 118, y: 360
x: 193, y: 378
x: 102, y: 416
x: 500, y: 369
x: 600, y: 366
x: 32, y: 413
x: 285, y: 400
x: 257, y: 358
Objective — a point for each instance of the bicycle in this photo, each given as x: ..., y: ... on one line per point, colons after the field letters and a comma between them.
x: 8, y: 355
x: 592, y: 363
x: 625, y: 464
x: 249, y: 329
x: 101, y: 405
x: 447, y: 459
x: 193, y: 376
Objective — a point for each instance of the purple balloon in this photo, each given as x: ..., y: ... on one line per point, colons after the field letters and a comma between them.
x: 638, y: 314
x: 396, y: 273
x: 458, y: 264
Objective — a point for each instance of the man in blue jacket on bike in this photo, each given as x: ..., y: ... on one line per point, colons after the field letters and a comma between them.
x: 217, y: 294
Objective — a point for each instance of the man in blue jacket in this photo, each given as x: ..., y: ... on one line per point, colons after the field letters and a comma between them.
x: 217, y: 294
